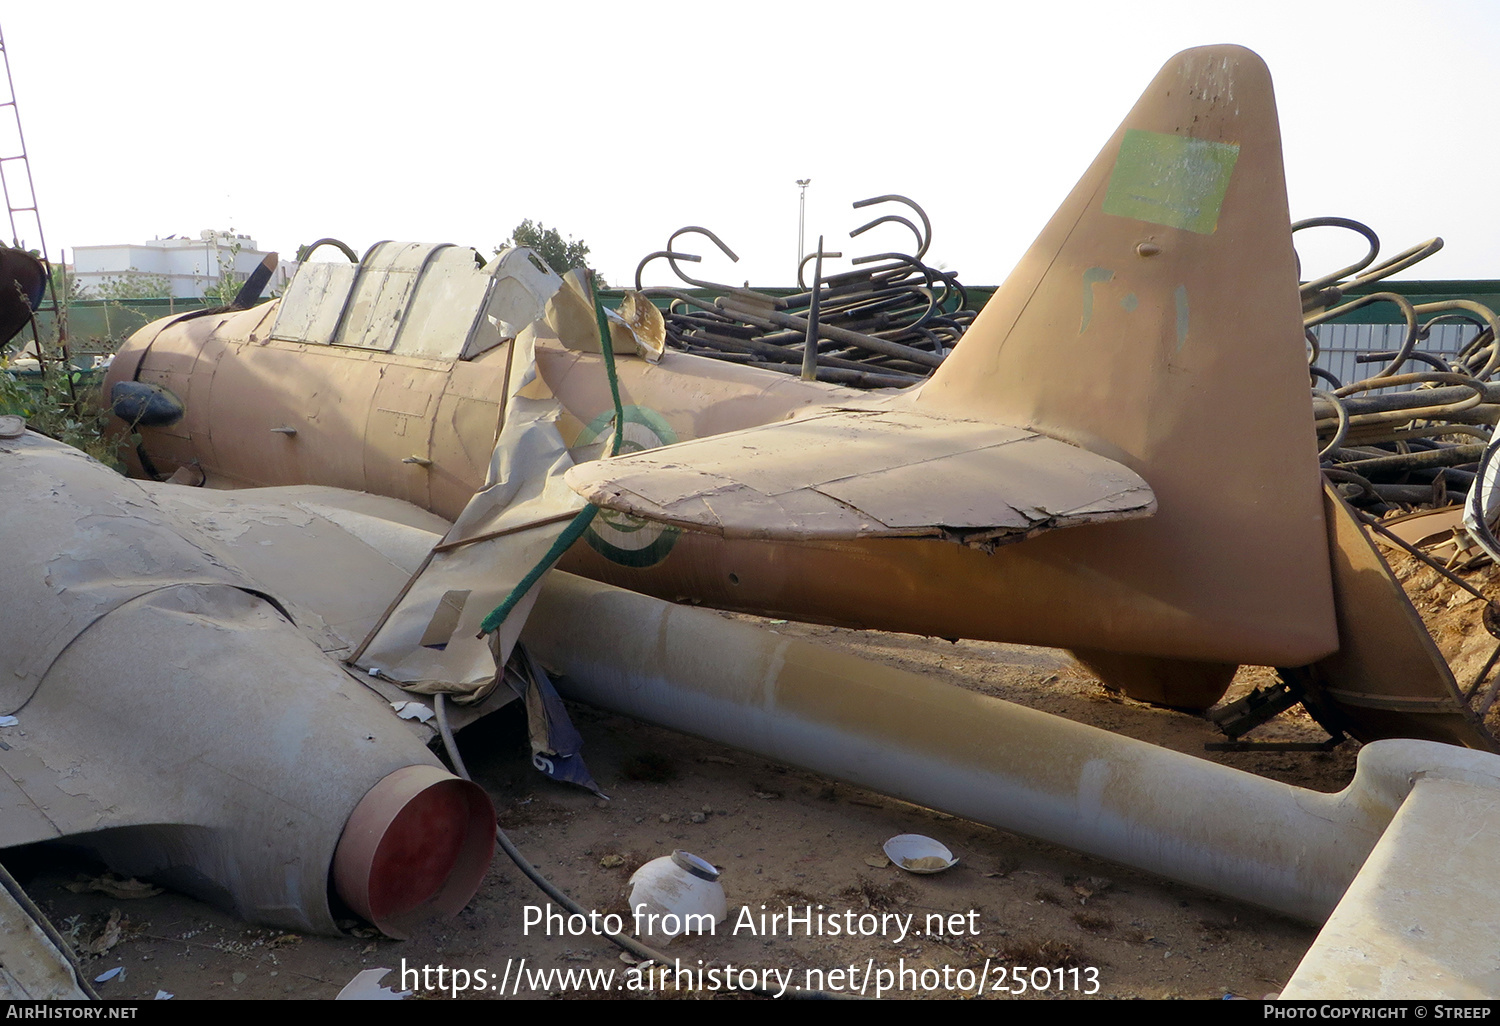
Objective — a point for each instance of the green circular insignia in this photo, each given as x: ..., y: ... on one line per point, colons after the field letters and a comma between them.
x: 620, y: 537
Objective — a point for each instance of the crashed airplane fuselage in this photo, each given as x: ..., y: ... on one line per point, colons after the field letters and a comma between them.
x: 1055, y: 481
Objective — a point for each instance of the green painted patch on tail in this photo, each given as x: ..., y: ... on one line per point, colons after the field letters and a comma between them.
x: 1172, y: 180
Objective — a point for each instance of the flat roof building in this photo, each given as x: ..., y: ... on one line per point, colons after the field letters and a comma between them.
x: 176, y: 267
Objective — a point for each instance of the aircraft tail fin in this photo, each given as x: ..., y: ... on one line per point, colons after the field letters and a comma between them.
x: 1156, y: 321
x: 1169, y: 267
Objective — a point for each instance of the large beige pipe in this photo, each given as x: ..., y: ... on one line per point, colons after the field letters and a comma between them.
x: 1271, y: 844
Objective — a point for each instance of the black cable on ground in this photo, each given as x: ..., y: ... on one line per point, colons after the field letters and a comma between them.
x: 620, y: 940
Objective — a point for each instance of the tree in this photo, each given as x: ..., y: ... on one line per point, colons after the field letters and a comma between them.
x: 71, y: 289
x: 227, y: 285
x: 548, y: 243
x: 134, y: 284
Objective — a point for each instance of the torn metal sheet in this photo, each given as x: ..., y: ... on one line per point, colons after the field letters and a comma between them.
x: 434, y: 639
x: 851, y: 473
x: 431, y: 641
x: 637, y: 327
x: 308, y: 544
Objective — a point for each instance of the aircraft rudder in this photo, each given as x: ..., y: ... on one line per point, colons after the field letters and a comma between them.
x: 1155, y: 318
x: 1167, y: 270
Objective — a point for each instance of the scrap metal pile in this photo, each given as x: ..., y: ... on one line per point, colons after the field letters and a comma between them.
x: 1412, y: 433
x: 886, y: 324
x: 1408, y: 435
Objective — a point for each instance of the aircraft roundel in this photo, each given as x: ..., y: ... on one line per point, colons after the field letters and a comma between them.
x: 619, y: 537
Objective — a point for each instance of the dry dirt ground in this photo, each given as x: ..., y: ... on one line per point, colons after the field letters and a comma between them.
x: 783, y: 837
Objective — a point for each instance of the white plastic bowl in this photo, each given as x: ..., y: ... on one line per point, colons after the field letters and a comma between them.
x: 917, y: 853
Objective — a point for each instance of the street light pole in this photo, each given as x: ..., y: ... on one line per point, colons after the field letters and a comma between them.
x: 801, y: 216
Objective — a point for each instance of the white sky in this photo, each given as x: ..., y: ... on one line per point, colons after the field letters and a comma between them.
x: 619, y: 123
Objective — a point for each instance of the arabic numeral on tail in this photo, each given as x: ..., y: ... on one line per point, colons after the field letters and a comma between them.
x: 542, y: 763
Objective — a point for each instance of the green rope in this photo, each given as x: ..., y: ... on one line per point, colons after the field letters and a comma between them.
x: 609, y: 368
x: 564, y: 541
x: 580, y: 523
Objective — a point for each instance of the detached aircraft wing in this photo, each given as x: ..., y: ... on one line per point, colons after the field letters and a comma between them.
x: 863, y: 473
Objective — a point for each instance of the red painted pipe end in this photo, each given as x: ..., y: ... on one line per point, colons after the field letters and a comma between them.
x: 417, y: 845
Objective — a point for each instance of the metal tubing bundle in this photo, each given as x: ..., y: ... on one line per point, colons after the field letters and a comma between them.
x: 1408, y: 435
x: 888, y: 323
x: 1412, y: 433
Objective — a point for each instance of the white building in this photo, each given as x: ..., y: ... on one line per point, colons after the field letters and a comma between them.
x: 178, y: 267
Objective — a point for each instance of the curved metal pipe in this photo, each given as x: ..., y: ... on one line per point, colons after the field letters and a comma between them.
x: 640, y: 267
x: 925, y: 238
x: 1318, y: 284
x: 304, y: 253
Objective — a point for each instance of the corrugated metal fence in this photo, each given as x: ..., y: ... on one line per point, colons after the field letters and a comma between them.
x: 1340, y: 345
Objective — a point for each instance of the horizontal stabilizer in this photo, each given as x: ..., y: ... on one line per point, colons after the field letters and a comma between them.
x: 841, y: 474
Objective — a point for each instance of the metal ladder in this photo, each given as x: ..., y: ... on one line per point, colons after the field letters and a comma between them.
x: 20, y: 200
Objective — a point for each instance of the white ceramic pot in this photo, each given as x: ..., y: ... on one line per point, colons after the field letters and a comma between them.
x: 675, y: 894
